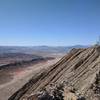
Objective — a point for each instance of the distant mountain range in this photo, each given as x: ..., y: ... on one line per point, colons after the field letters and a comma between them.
x: 38, y: 49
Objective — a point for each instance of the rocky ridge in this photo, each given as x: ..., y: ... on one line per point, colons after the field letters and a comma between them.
x: 75, y: 76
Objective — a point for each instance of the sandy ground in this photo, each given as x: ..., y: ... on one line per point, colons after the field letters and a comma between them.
x: 22, y: 77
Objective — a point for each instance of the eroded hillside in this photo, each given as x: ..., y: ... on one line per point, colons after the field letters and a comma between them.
x: 75, y: 76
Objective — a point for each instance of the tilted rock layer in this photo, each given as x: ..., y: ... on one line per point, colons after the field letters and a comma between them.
x: 78, y: 69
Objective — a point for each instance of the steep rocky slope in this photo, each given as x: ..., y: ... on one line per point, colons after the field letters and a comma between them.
x: 76, y: 75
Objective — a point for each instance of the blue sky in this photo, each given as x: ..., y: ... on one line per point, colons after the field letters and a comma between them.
x: 49, y: 22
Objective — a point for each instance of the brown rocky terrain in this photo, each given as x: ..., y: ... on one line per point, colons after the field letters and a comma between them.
x: 7, y: 70
x: 8, y: 58
x: 14, y: 76
x: 75, y: 77
x: 17, y: 68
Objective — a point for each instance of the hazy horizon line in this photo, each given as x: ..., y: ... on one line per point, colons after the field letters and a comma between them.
x: 46, y: 45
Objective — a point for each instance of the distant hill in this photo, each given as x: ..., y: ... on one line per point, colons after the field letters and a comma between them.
x: 38, y: 49
x: 6, y: 58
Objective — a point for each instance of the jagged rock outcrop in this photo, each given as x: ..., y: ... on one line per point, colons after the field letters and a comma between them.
x: 78, y: 69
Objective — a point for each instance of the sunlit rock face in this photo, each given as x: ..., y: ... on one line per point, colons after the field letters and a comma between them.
x: 78, y: 70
